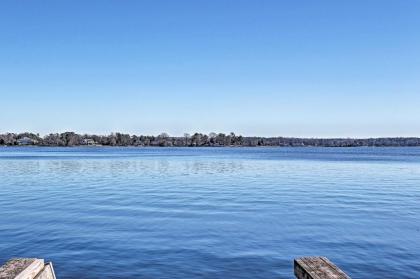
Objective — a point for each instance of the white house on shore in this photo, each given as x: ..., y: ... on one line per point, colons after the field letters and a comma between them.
x: 88, y: 142
x: 26, y: 141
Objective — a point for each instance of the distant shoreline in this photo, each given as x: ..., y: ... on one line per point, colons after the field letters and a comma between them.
x: 199, y: 147
x: 70, y: 139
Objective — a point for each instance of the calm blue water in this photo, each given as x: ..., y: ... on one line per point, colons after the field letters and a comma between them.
x: 211, y: 212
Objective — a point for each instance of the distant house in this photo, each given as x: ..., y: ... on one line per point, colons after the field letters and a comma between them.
x: 88, y: 142
x: 26, y: 141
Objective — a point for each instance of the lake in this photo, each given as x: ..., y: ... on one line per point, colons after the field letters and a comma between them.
x: 103, y: 212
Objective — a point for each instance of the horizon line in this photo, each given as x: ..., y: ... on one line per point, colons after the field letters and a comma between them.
x: 41, y: 135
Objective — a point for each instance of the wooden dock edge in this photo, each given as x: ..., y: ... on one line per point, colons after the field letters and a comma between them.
x: 317, y: 268
x: 27, y: 268
x: 304, y: 268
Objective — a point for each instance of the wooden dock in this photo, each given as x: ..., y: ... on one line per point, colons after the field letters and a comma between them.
x: 24, y: 268
x: 304, y: 268
x: 317, y: 268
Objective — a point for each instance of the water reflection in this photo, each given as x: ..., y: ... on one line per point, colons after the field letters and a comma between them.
x: 202, y: 213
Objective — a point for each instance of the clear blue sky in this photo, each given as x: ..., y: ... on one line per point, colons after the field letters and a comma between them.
x: 268, y: 68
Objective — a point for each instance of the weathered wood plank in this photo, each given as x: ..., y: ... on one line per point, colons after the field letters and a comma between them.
x: 21, y: 268
x: 47, y: 272
x: 317, y: 268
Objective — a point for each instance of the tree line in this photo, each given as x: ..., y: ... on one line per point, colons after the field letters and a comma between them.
x: 197, y: 139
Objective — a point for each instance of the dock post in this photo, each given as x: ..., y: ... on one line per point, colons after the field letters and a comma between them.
x: 27, y: 268
x: 317, y: 268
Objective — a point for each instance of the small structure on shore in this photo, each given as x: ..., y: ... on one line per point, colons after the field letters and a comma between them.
x: 26, y: 141
x: 88, y: 142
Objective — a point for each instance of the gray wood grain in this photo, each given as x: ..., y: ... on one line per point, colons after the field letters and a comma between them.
x: 317, y: 268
